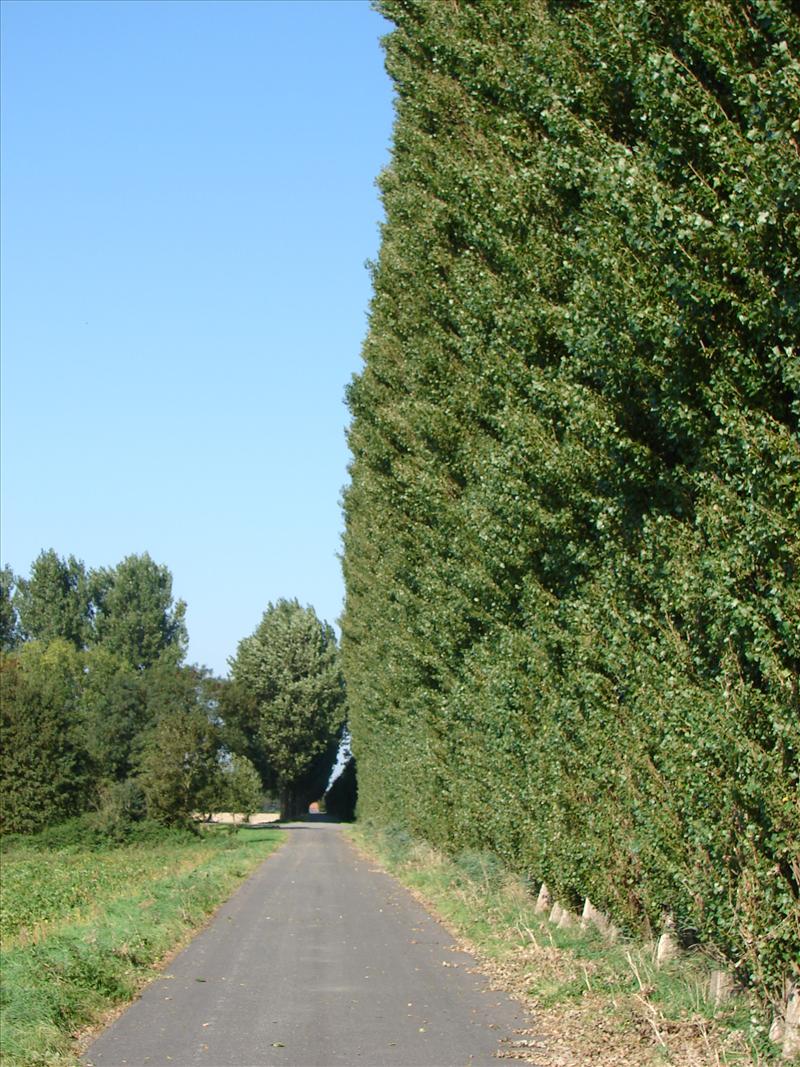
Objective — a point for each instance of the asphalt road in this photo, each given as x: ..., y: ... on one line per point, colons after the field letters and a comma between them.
x: 317, y: 960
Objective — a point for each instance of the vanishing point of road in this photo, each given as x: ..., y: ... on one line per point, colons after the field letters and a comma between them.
x: 318, y: 960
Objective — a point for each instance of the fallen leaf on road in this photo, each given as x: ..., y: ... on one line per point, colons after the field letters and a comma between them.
x: 278, y: 1044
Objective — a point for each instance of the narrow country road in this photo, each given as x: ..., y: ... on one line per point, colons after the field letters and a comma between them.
x: 317, y: 960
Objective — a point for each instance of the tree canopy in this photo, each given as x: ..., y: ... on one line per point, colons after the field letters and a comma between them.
x: 55, y: 601
x: 102, y: 716
x: 9, y: 621
x: 45, y: 767
x: 135, y: 617
x: 292, y: 707
x: 94, y: 689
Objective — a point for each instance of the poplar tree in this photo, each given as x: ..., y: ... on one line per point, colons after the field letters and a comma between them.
x: 9, y: 621
x: 288, y: 671
x: 55, y: 601
x: 573, y: 528
x: 136, y: 618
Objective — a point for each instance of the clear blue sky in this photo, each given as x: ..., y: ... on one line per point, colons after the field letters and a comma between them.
x: 188, y: 204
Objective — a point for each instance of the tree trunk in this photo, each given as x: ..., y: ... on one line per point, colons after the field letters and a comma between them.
x: 288, y: 805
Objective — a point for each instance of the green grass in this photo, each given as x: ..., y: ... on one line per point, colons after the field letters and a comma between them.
x: 577, y: 972
x: 84, y: 927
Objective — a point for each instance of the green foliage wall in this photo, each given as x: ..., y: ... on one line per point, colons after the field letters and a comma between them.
x: 573, y: 525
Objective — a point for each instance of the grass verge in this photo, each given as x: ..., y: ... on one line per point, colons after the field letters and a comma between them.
x: 86, y: 928
x: 593, y: 1001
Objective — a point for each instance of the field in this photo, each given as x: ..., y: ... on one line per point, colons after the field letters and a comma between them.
x: 85, y: 924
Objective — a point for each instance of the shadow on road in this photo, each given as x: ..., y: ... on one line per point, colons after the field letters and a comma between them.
x: 301, y: 822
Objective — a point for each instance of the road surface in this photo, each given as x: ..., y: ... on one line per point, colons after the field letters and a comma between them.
x: 318, y: 960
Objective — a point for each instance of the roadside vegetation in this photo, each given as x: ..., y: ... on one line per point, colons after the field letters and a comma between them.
x: 593, y: 1001
x: 86, y: 922
x: 572, y: 538
x: 112, y: 749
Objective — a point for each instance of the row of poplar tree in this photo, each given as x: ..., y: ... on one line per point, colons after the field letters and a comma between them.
x: 572, y: 632
x: 103, y: 718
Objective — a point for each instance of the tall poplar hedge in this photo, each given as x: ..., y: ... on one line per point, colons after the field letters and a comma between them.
x: 572, y: 632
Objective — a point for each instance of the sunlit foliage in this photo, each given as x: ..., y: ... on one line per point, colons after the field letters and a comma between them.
x: 572, y: 541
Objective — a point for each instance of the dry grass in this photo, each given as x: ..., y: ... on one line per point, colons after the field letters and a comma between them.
x: 592, y: 1002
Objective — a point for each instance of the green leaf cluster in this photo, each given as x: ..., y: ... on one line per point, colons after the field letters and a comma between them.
x: 573, y: 524
x: 46, y: 769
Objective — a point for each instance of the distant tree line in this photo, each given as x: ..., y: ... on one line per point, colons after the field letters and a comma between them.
x: 102, y: 717
x: 572, y: 546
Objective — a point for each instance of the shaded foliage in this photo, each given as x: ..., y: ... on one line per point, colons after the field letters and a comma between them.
x: 239, y: 712
x: 116, y: 713
x: 341, y: 798
x: 179, y: 772
x: 45, y: 770
x: 241, y: 791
